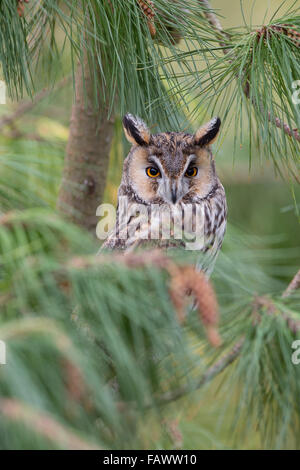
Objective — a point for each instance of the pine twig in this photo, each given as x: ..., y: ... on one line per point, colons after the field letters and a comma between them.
x: 207, y: 377
x: 265, y: 303
x: 26, y: 106
x: 293, y: 285
x: 282, y: 125
x: 214, y: 21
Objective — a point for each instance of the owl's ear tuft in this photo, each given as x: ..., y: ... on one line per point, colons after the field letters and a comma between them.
x: 136, y: 130
x: 207, y: 133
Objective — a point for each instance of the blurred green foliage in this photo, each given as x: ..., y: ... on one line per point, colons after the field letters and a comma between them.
x: 151, y: 352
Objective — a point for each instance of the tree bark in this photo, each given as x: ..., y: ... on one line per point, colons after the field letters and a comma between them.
x: 87, y: 154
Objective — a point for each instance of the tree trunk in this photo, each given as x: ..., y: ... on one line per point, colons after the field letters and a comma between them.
x: 87, y: 155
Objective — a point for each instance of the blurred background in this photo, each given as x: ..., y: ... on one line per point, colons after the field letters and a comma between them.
x: 263, y: 209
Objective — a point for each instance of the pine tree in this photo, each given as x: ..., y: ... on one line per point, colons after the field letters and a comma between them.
x: 100, y: 350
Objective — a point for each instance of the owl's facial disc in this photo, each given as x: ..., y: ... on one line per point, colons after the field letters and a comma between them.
x: 169, y: 167
x: 155, y: 180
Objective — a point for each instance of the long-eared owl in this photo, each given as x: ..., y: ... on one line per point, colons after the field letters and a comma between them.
x: 170, y: 194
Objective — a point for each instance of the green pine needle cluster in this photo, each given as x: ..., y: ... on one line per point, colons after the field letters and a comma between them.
x: 125, y: 62
x: 248, y: 80
x: 249, y: 69
x: 90, y: 351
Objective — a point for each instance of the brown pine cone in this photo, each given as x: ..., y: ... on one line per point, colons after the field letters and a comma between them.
x: 286, y: 29
x: 291, y: 32
x: 148, y: 9
x: 185, y: 281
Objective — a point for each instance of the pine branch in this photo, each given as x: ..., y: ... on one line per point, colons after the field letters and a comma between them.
x: 282, y: 125
x: 26, y: 106
x: 17, y: 134
x: 43, y: 424
x: 214, y: 21
x: 261, y: 302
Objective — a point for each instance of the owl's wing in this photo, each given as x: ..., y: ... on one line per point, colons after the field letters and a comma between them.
x: 113, y: 242
x: 207, y: 259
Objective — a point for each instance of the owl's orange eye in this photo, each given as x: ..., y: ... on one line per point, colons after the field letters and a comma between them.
x: 192, y: 171
x: 152, y: 172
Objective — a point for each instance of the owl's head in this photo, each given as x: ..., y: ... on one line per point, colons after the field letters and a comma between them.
x: 169, y: 167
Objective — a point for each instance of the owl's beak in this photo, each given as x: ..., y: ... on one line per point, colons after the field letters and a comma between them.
x: 174, y: 193
x: 171, y: 192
